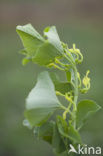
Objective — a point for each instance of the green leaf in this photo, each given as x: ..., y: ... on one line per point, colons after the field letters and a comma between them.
x: 73, y: 134
x: 57, y: 143
x: 53, y: 38
x: 45, y: 132
x: 68, y: 74
x: 26, y: 60
x: 41, y: 101
x: 30, y: 37
x: 68, y: 131
x: 23, y: 51
x: 61, y: 86
x: 85, y: 108
x: 62, y: 126
x: 46, y: 54
x: 29, y: 29
x: 38, y: 49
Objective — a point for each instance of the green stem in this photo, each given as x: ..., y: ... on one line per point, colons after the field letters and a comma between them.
x: 75, y: 88
x: 75, y: 95
x: 70, y: 59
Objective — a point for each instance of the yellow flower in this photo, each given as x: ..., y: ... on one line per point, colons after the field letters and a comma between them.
x: 79, y: 56
x: 86, y: 80
x: 86, y: 83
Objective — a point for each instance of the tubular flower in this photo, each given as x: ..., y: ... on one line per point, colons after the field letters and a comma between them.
x: 86, y: 83
x: 79, y: 56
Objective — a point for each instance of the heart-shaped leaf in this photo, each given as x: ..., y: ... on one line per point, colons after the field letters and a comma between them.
x: 61, y: 86
x: 85, y: 108
x: 62, y: 126
x: 68, y: 131
x: 57, y: 142
x: 73, y: 134
x: 38, y: 49
x: 41, y: 101
x: 30, y: 37
x: 53, y: 38
x: 46, y: 54
x: 45, y: 132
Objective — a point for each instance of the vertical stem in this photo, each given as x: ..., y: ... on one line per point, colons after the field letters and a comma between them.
x: 76, y: 86
x: 75, y: 95
x: 75, y: 89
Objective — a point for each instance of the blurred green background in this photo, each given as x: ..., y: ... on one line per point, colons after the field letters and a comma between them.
x: 79, y: 22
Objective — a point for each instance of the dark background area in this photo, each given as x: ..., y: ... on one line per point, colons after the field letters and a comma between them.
x: 79, y: 22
